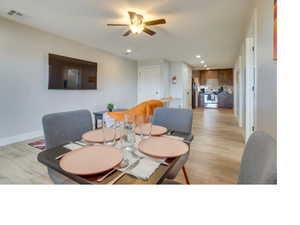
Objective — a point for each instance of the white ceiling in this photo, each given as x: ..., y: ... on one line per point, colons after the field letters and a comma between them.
x: 212, y: 28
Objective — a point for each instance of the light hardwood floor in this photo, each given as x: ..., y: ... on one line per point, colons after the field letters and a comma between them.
x: 217, y: 148
x: 19, y: 165
x: 215, y: 153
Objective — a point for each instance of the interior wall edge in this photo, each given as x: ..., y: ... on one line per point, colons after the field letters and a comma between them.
x: 20, y: 137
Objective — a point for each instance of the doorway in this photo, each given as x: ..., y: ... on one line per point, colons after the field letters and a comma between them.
x: 149, y: 83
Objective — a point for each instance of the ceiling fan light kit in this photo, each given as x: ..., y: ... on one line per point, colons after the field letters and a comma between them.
x: 136, y: 29
x: 137, y: 24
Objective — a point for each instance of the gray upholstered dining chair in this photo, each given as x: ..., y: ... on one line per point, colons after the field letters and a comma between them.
x: 64, y: 127
x: 259, y: 161
x: 178, y: 120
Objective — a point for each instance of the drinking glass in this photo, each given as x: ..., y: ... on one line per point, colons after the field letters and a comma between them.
x: 139, y: 123
x: 109, y: 132
x: 147, y: 127
x: 128, y: 132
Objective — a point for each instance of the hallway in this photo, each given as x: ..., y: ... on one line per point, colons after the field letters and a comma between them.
x: 217, y: 148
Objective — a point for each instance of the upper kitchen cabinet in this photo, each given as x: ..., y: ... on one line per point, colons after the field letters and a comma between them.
x: 225, y: 77
x: 221, y: 77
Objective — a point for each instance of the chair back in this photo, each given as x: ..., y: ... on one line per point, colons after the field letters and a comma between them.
x: 64, y: 127
x: 259, y: 161
x: 175, y: 119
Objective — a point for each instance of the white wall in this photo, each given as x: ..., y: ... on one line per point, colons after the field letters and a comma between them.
x: 187, y: 84
x: 165, y: 66
x: 183, y: 74
x: 266, y: 69
x: 240, y: 77
x: 24, y: 94
x: 176, y: 90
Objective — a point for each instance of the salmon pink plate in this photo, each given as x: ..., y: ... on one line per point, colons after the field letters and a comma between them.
x: 155, y: 130
x: 98, y: 136
x: 91, y: 160
x: 163, y: 147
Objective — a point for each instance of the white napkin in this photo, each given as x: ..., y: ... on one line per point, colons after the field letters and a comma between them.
x: 72, y: 146
x: 145, y: 168
x: 158, y: 160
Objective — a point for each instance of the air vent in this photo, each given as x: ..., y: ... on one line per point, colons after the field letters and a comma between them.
x: 14, y: 13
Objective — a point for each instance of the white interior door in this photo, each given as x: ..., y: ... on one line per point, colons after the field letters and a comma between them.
x: 149, y: 83
x: 250, y: 88
x: 187, y: 88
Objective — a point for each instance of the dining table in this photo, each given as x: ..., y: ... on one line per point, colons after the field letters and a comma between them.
x: 49, y: 159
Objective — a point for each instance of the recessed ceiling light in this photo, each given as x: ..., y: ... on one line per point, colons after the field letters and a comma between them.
x: 128, y: 51
x: 198, y: 56
x: 202, y: 62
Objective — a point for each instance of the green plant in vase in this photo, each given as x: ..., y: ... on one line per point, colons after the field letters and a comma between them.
x: 110, y: 107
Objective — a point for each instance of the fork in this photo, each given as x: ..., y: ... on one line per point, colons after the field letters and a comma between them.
x: 132, y: 166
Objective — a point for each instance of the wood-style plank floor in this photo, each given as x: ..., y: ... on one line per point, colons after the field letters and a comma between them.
x: 215, y: 153
x: 217, y: 148
x: 19, y: 165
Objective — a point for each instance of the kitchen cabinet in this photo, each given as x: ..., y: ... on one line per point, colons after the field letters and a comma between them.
x: 224, y: 76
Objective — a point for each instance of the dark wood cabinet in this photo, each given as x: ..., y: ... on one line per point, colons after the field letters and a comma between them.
x: 203, y: 78
x: 224, y: 76
x: 221, y: 78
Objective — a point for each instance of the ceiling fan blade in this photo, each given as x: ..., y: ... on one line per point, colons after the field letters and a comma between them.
x: 117, y: 24
x: 148, y: 31
x: 127, y: 33
x: 131, y: 15
x: 155, y: 22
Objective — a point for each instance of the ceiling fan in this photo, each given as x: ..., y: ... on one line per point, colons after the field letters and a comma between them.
x: 137, y: 24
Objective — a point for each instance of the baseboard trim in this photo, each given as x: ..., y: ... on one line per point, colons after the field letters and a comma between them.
x: 20, y: 137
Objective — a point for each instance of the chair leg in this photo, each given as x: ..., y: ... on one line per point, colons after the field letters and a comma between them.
x: 185, y: 175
